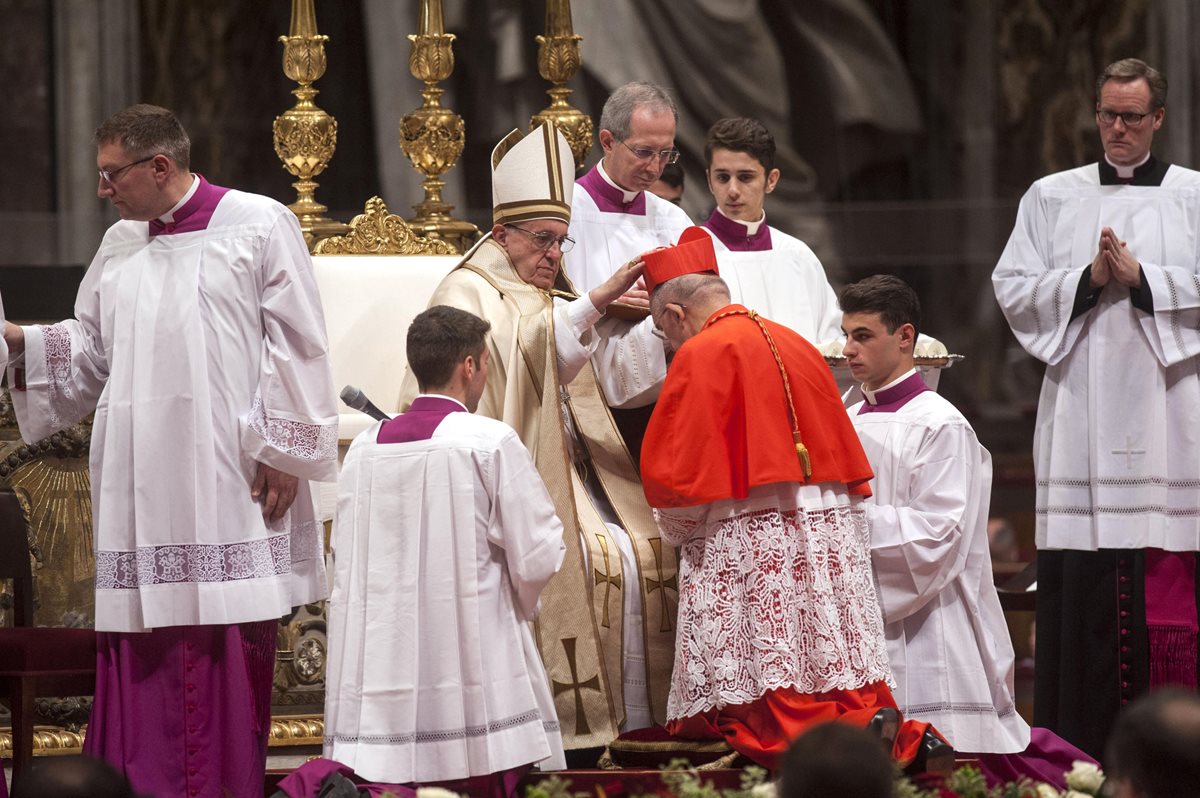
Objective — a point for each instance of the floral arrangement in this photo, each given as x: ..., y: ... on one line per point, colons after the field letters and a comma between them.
x: 1083, y: 780
x: 681, y: 780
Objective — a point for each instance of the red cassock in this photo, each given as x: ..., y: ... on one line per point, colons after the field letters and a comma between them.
x: 722, y: 432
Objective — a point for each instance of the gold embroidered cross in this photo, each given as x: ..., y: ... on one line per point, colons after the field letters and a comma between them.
x: 581, y: 724
x: 661, y: 584
x: 608, y: 580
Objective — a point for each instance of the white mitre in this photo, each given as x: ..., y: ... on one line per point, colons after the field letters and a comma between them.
x: 532, y: 176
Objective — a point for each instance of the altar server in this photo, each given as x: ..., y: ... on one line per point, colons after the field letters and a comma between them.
x: 199, y: 343
x: 1101, y: 281
x: 765, y: 268
x: 443, y: 540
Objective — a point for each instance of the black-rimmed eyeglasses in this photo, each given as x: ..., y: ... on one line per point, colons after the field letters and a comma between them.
x: 1130, y: 118
x: 543, y: 239
x: 645, y: 154
x: 110, y: 176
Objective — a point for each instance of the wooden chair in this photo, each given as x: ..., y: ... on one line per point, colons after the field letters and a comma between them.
x: 34, y: 661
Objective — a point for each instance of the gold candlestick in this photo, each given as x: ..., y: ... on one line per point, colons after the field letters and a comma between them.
x: 432, y: 136
x: 305, y: 136
x: 558, y: 61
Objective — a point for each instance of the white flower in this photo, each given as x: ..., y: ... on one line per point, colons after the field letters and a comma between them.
x: 435, y: 792
x: 1046, y: 791
x: 768, y: 789
x: 1085, y: 778
x: 1075, y: 794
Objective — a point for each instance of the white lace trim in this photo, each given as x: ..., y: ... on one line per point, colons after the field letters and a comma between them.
x: 56, y: 340
x: 772, y: 600
x: 193, y: 563
x: 313, y: 442
x: 219, y: 562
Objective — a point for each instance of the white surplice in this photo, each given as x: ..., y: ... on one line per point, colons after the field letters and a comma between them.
x: 1116, y: 445
x: 785, y: 283
x: 947, y: 639
x: 201, y: 353
x: 629, y: 360
x: 606, y: 239
x: 441, y: 548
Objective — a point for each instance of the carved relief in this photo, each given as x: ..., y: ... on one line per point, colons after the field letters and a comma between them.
x: 377, y: 232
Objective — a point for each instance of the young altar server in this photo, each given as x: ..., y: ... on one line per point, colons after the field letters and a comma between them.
x: 443, y: 540
x: 765, y: 268
x: 947, y: 639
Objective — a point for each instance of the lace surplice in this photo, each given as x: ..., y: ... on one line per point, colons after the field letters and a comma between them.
x: 773, y: 594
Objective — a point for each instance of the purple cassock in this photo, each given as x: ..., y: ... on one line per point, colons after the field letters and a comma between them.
x: 419, y: 423
x: 185, y: 710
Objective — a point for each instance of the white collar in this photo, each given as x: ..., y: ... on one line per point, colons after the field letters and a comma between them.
x: 628, y: 196
x: 870, y: 395
x: 751, y: 227
x: 169, y: 216
x: 1126, y: 172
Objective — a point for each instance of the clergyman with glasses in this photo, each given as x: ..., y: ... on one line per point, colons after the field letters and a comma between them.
x: 199, y: 343
x: 549, y: 359
x: 1101, y: 281
x: 614, y: 216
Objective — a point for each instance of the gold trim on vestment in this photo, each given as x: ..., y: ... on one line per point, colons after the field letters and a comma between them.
x: 615, y: 470
x: 553, y: 165
x: 504, y: 145
x: 509, y: 212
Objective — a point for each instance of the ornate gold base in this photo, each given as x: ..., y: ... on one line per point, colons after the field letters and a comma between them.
x: 47, y: 741
x: 286, y: 731
x: 318, y: 229
x: 458, y: 233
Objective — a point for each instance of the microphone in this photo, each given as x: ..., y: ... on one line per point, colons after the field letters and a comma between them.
x: 358, y: 400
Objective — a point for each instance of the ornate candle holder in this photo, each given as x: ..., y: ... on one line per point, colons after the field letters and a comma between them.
x: 305, y: 136
x: 433, y: 136
x: 558, y: 61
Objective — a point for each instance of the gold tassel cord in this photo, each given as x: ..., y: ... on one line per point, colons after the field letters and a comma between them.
x: 801, y: 449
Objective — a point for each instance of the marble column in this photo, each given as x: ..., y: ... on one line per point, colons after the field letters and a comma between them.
x: 1174, y: 30
x: 95, y: 74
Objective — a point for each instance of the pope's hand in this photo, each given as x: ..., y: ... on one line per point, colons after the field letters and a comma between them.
x: 619, y: 286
